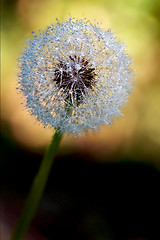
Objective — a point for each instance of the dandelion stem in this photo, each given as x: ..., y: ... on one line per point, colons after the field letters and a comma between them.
x: 37, y: 189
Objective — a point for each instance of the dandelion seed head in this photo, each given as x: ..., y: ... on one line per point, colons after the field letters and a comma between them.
x: 75, y: 65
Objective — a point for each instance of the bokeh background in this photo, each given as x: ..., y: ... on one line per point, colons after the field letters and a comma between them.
x: 96, y: 176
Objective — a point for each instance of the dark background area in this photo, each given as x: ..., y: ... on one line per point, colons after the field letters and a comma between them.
x: 83, y: 199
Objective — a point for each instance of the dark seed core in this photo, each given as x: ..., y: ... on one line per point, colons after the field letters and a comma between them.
x: 75, y: 78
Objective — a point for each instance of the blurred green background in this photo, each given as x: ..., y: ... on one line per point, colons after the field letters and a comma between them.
x: 133, y: 139
x: 137, y: 22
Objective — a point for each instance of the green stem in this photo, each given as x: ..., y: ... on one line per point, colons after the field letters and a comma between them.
x: 37, y: 189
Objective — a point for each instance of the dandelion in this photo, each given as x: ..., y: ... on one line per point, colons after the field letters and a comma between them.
x: 74, y: 77
x: 75, y: 65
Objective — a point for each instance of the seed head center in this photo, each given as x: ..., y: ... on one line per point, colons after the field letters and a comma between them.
x: 75, y: 77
